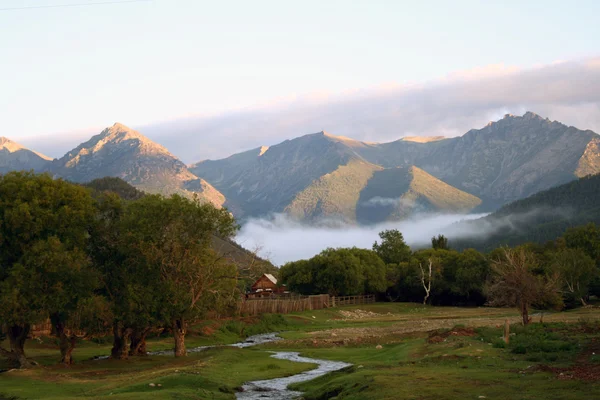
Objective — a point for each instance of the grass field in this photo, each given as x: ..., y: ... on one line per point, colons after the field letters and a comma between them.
x: 399, y: 351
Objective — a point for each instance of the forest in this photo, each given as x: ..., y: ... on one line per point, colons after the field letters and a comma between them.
x: 562, y: 273
x: 95, y: 263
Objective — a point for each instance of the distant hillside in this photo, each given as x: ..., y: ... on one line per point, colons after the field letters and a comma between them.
x: 367, y: 193
x: 322, y: 175
x: 121, y: 152
x: 115, y: 185
x: 538, y: 218
x: 15, y: 157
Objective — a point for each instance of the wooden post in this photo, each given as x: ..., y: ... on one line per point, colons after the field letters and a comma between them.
x: 506, y: 331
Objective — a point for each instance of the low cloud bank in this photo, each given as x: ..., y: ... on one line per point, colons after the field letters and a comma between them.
x: 568, y: 92
x: 281, y: 239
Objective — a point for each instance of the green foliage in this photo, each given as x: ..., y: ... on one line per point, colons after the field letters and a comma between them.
x: 392, y: 249
x: 544, y: 216
x: 339, y: 272
x: 44, y: 234
x: 440, y: 242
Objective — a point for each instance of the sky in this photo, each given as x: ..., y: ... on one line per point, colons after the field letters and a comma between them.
x: 207, y: 79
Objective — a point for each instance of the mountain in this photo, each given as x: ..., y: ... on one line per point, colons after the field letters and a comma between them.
x: 538, y: 218
x: 322, y: 175
x: 14, y: 157
x: 325, y: 176
x: 506, y: 160
x: 121, y: 152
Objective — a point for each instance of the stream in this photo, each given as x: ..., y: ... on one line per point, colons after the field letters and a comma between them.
x: 275, y: 389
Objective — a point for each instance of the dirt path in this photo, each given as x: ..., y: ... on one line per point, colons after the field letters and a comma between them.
x: 426, y: 324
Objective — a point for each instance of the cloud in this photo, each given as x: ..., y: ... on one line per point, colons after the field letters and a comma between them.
x: 379, y: 201
x: 282, y: 239
x: 565, y: 91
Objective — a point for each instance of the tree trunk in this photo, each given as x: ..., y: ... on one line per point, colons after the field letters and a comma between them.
x: 179, y: 332
x: 583, y: 303
x: 17, y: 334
x: 66, y: 342
x: 138, y: 342
x: 120, y: 337
x: 525, y: 314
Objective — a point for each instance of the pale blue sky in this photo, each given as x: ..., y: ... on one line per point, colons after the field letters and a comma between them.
x: 76, y: 68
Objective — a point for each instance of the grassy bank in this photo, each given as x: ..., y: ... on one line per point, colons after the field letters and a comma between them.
x: 423, y: 354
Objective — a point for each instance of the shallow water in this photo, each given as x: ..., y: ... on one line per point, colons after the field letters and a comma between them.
x: 250, y: 341
x: 276, y: 389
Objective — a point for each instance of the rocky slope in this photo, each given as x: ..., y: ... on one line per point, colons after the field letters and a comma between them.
x: 322, y: 175
x: 14, y: 157
x: 506, y: 160
x: 121, y: 152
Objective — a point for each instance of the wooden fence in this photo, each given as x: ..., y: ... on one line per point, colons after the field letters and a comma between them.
x: 337, y: 301
x: 283, y: 306
x: 301, y: 303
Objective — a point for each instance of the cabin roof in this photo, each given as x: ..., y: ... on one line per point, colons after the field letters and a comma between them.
x: 271, y: 278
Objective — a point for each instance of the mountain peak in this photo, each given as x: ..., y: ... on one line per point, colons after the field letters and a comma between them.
x: 528, y: 115
x: 7, y: 144
x: 12, y: 146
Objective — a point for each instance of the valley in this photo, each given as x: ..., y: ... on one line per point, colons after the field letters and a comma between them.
x: 396, y: 350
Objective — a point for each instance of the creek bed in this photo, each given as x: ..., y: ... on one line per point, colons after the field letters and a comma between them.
x: 277, y: 389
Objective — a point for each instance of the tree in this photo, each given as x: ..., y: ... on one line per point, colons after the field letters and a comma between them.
x: 62, y: 279
x: 392, y: 249
x: 587, y: 239
x: 44, y: 231
x: 440, y: 242
x: 576, y: 270
x: 339, y: 272
x: 516, y: 284
x: 168, y: 241
x: 469, y: 277
x: 426, y: 279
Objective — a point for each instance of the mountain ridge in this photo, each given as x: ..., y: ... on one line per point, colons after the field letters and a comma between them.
x: 323, y: 175
x: 122, y: 152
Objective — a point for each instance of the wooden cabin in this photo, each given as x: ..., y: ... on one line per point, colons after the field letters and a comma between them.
x: 265, y: 286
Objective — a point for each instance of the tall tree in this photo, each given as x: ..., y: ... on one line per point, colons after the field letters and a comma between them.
x: 440, y: 242
x: 44, y: 231
x: 168, y: 241
x: 576, y: 270
x: 516, y: 283
x: 392, y: 249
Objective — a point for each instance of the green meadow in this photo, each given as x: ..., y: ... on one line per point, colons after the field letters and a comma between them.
x: 398, y: 351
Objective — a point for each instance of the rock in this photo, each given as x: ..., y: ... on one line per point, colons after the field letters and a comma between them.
x: 152, y: 385
x: 333, y: 334
x: 379, y: 347
x: 159, y: 385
